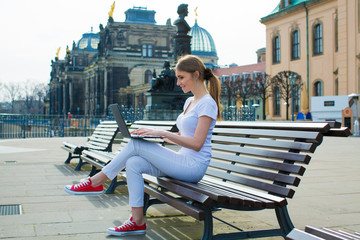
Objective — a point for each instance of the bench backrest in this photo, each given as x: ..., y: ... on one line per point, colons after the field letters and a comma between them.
x: 103, y: 136
x: 270, y: 160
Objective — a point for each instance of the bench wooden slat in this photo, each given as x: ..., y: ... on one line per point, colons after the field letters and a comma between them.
x: 290, y: 168
x: 329, y: 234
x: 218, y: 197
x: 98, y: 156
x: 301, y: 146
x: 178, y: 189
x: 238, y: 169
x: 280, y: 201
x: 237, y: 198
x: 297, y: 234
x: 279, y: 134
x: 188, y: 209
x: 269, y: 187
x: 263, y: 152
x: 184, y: 207
x: 321, y: 127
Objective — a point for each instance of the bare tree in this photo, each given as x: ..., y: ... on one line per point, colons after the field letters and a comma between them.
x: 244, y: 88
x: 227, y: 91
x: 289, y: 83
x: 263, y: 90
x: 34, y: 96
x: 13, y: 90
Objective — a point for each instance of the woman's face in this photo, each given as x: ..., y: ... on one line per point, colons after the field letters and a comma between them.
x: 185, y: 80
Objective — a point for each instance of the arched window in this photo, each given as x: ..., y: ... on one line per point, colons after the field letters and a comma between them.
x: 276, y: 49
x: 148, y: 76
x: 318, y: 39
x: 318, y: 88
x: 277, y: 100
x: 295, y: 45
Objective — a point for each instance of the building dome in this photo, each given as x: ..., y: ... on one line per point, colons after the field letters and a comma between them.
x: 202, y: 44
x: 89, y: 42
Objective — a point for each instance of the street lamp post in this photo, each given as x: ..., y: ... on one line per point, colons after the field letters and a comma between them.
x: 292, y: 84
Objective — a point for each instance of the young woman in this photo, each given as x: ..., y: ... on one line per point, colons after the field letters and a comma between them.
x: 195, y: 125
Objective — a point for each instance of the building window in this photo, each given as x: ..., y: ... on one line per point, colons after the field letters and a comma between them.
x: 336, y: 87
x: 147, y: 50
x: 318, y: 39
x: 277, y: 100
x: 295, y: 45
x: 276, y: 49
x: 318, y: 87
x: 336, y: 33
x: 148, y: 76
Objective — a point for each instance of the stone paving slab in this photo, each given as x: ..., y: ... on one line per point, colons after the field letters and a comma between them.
x: 329, y: 196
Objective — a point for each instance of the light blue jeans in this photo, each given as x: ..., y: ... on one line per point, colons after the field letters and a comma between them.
x: 141, y: 156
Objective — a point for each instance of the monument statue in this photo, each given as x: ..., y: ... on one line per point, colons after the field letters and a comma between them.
x: 181, y: 25
x: 182, y: 39
x: 165, y: 82
x: 164, y: 90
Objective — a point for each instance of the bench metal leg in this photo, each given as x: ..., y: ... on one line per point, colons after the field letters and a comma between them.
x: 80, y: 164
x: 93, y: 171
x: 208, y: 226
x: 113, y: 185
x: 284, y: 220
x: 67, y: 161
x: 146, y: 203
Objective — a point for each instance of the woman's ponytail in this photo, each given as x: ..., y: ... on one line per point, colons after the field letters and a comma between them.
x: 214, y: 88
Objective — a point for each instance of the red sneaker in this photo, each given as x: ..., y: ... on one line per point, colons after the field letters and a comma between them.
x: 84, y: 188
x: 128, y: 228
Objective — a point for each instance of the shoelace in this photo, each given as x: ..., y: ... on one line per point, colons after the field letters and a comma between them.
x: 82, y: 184
x: 126, y: 225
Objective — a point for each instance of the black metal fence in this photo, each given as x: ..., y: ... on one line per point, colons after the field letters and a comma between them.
x: 33, y: 126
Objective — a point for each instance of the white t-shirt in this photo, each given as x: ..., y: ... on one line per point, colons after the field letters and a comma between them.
x: 186, y: 123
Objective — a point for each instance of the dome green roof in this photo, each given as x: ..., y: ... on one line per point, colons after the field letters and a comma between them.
x: 202, y: 44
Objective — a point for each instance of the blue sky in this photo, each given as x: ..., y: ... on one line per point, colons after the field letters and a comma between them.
x: 32, y: 31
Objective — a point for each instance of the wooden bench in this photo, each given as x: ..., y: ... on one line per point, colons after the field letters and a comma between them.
x: 99, y: 159
x: 101, y: 140
x: 312, y: 233
x: 253, y: 168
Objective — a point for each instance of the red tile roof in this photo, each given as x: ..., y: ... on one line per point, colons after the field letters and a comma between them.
x: 258, y: 67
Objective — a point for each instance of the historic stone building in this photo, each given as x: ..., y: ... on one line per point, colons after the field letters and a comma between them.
x: 319, y: 40
x: 115, y: 65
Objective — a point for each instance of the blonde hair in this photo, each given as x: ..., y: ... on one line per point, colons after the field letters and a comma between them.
x: 191, y: 64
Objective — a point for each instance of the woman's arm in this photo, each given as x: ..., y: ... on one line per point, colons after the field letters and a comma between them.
x: 194, y: 143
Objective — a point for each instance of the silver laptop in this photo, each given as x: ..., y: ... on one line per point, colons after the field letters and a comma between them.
x: 124, y: 131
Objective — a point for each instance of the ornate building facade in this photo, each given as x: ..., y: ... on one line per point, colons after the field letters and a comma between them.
x: 319, y: 40
x: 115, y: 65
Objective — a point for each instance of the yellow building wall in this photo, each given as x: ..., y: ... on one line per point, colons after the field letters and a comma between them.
x: 327, y: 67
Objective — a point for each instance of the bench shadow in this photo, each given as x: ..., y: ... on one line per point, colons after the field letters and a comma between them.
x: 68, y: 170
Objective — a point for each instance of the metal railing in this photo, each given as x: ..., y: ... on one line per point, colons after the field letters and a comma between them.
x: 34, y: 126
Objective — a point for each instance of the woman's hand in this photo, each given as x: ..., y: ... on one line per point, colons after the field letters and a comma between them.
x: 149, y: 132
